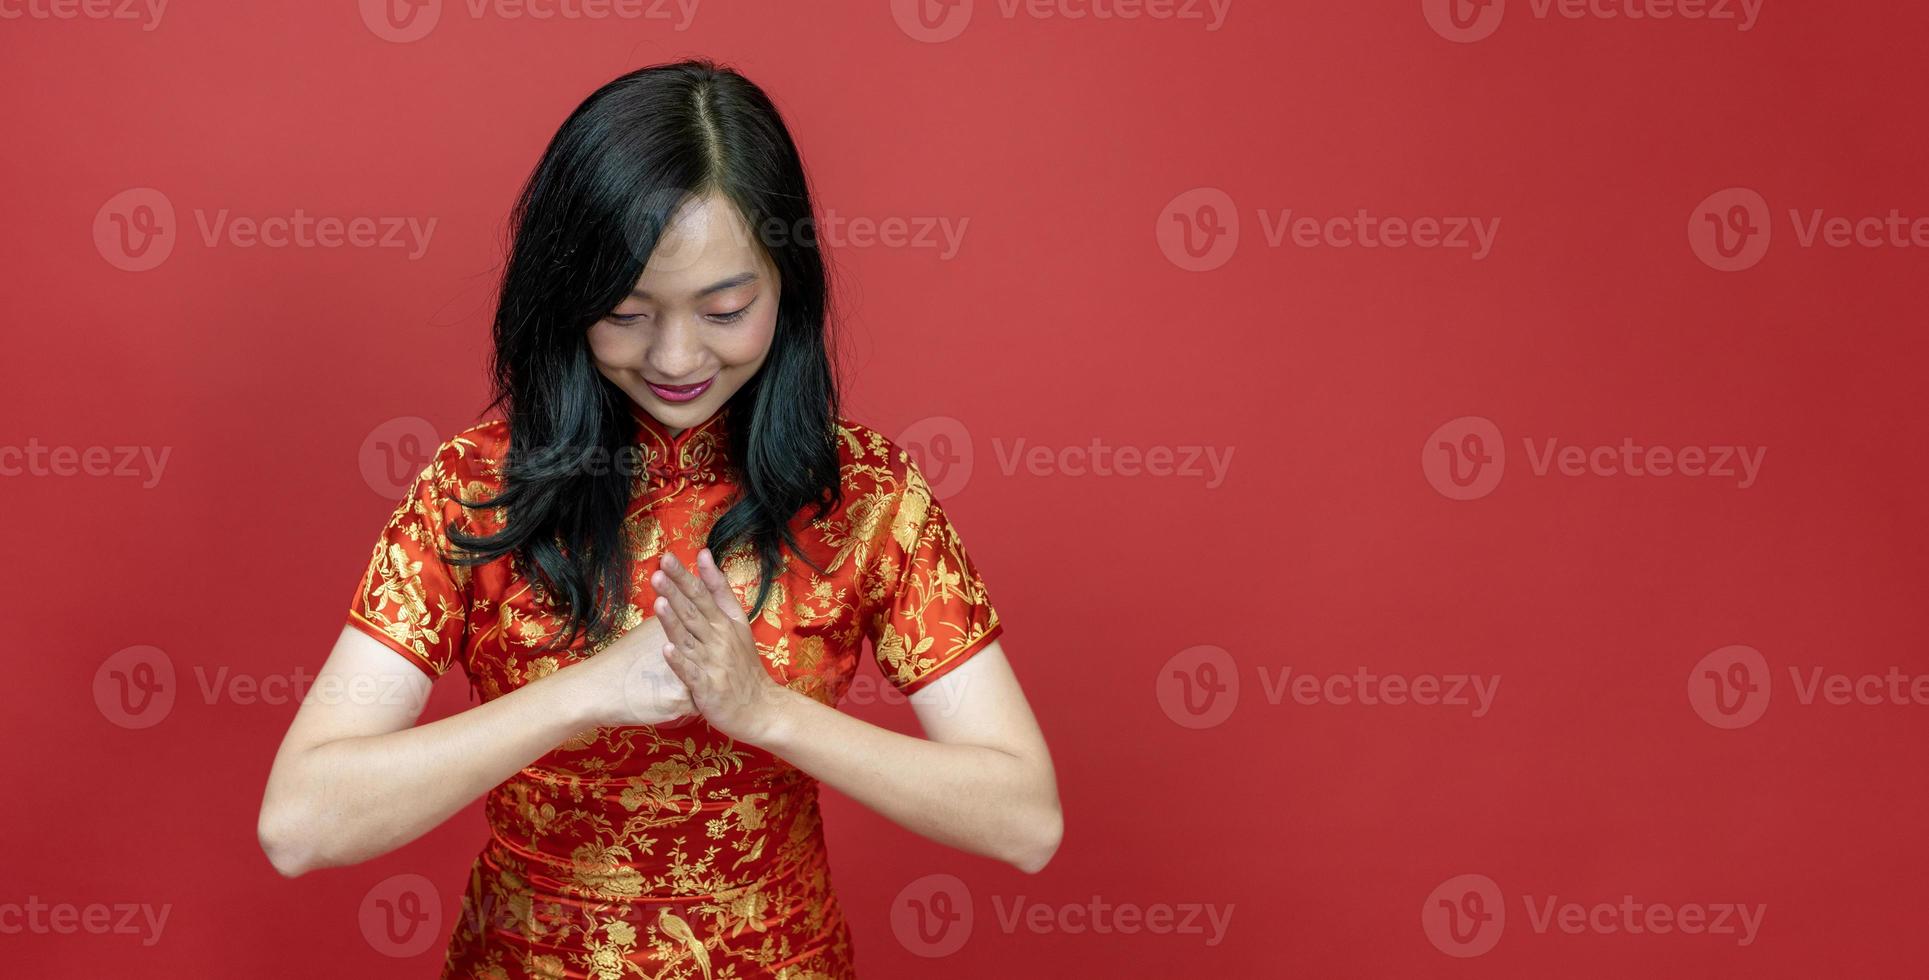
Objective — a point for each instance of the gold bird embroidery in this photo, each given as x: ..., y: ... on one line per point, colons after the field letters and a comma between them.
x: 680, y: 931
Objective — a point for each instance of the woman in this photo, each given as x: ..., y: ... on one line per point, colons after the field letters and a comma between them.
x: 658, y: 572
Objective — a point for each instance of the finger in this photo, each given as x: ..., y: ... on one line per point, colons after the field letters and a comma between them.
x: 673, y: 627
x: 695, y: 591
x: 719, y: 586
x: 682, y: 667
x: 683, y: 610
x: 679, y: 662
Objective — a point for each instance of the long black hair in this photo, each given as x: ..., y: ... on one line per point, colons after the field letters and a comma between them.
x: 585, y: 225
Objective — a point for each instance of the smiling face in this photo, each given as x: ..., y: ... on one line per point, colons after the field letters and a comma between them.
x: 699, y: 321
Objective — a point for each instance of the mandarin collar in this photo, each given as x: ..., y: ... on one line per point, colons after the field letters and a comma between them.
x: 698, y: 454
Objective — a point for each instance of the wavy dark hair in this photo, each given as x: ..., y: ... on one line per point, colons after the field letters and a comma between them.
x: 583, y: 228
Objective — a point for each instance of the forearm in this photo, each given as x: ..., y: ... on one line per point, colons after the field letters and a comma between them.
x: 363, y: 796
x: 978, y: 799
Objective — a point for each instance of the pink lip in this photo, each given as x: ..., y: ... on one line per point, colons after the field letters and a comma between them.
x: 681, y: 393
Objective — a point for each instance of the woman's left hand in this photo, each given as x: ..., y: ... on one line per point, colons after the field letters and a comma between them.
x: 712, y: 651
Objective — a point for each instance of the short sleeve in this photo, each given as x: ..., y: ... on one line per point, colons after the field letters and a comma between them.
x: 931, y: 611
x: 410, y: 598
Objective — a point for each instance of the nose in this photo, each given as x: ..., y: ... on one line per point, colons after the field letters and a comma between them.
x: 676, y: 354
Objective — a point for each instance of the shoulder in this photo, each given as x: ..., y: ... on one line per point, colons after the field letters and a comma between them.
x: 893, y: 497
x: 468, y: 464
x: 869, y: 457
x: 474, y: 453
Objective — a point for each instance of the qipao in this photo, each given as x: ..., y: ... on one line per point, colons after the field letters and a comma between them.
x: 671, y: 854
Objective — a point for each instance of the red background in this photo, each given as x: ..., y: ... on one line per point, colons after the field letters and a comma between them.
x: 1325, y: 827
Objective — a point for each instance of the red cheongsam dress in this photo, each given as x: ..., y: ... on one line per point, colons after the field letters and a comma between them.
x: 631, y: 852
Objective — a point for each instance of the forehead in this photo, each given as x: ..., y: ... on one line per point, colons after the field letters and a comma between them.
x: 707, y: 240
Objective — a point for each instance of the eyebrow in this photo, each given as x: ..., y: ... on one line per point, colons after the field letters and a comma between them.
x: 715, y: 287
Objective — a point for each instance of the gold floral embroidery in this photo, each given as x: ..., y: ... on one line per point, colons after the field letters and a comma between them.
x: 675, y: 854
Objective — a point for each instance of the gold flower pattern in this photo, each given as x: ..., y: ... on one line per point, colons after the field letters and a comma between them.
x: 672, y: 854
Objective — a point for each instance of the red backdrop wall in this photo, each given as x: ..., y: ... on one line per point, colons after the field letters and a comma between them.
x: 1452, y: 473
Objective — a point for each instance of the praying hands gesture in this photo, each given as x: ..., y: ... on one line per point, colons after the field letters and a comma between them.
x: 711, y: 650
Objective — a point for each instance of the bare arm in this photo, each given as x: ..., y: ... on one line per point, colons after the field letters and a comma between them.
x: 981, y: 782
x: 355, y: 777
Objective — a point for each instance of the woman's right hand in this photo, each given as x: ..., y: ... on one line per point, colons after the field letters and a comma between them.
x: 632, y: 684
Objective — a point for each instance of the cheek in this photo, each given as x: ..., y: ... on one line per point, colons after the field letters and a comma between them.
x: 748, y: 345
x: 612, y: 346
